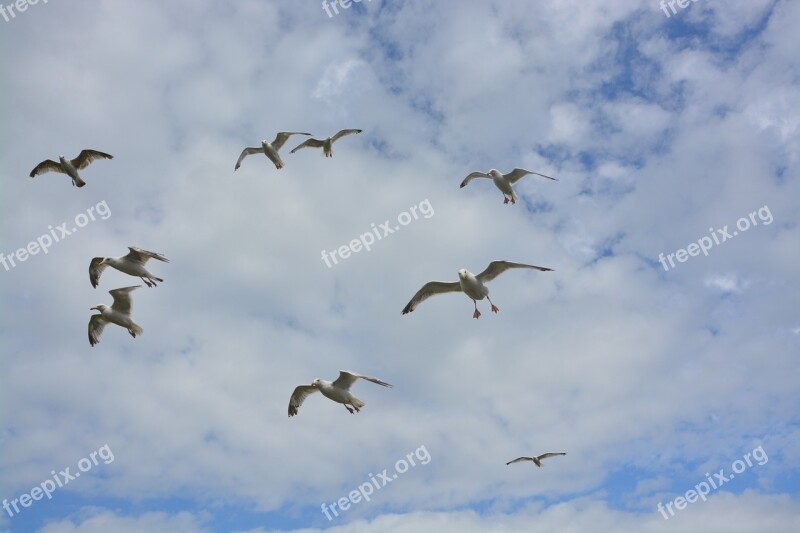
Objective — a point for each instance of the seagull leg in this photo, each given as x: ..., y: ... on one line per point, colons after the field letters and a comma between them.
x: 494, y: 307
x: 505, y: 200
x: 346, y: 407
x: 477, y: 313
x: 146, y: 282
x: 132, y: 333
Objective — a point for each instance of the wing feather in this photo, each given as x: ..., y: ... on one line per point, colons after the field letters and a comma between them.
x: 247, y: 151
x: 48, y: 165
x: 519, y: 173
x: 87, y: 156
x: 346, y: 380
x: 96, y: 325
x: 309, y: 143
x: 122, y: 299
x: 519, y: 460
x: 96, y: 268
x: 496, y: 268
x: 430, y: 289
x: 141, y: 256
x: 343, y: 133
x: 299, y: 395
x: 473, y: 176
x: 283, y: 136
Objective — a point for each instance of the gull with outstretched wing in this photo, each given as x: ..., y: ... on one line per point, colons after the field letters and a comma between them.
x: 536, y: 460
x: 504, y: 181
x: 132, y: 264
x: 468, y: 283
x: 269, y: 149
x: 119, y: 313
x: 70, y: 168
x: 325, y: 144
x: 338, y: 391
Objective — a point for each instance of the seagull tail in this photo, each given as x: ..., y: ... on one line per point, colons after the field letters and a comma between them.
x: 79, y: 182
x: 358, y: 404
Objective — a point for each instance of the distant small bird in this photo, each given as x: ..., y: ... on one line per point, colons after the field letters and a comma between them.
x: 132, y: 264
x: 338, y: 391
x: 70, y: 168
x: 119, y: 313
x: 325, y: 144
x: 468, y: 283
x: 269, y: 149
x: 504, y: 181
x: 536, y: 460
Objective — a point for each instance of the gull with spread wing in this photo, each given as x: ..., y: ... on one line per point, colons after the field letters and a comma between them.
x: 536, y: 460
x: 70, y: 168
x: 504, y: 181
x: 269, y: 149
x: 325, y: 144
x: 132, y: 264
x: 119, y: 313
x: 338, y: 391
x: 468, y: 283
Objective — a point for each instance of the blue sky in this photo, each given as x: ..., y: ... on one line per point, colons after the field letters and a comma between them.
x: 662, y: 131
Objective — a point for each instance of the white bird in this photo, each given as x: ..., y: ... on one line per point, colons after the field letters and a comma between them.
x: 504, y: 181
x: 119, y: 313
x: 536, y: 460
x: 338, y: 391
x: 325, y: 144
x: 132, y: 264
x: 269, y: 149
x: 468, y: 283
x: 70, y: 168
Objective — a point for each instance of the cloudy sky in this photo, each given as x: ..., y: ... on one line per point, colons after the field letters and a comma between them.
x: 654, y: 373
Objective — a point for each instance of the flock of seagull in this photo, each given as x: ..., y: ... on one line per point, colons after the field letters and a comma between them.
x: 133, y: 264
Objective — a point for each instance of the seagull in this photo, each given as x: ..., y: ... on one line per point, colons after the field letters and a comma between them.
x: 119, y: 313
x: 132, y: 264
x: 504, y: 181
x: 326, y: 144
x: 468, y: 283
x: 269, y: 149
x: 70, y: 168
x: 338, y: 391
x: 536, y: 460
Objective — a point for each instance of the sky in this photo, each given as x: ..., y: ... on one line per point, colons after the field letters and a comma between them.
x: 660, y: 354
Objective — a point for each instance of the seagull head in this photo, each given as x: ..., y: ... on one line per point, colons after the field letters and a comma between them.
x: 494, y: 173
x: 263, y: 142
x: 62, y: 158
x: 315, y: 383
x: 462, y: 274
x: 100, y: 308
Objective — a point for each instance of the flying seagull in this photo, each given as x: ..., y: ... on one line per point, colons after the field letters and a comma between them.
x: 504, y: 181
x: 119, y: 313
x: 536, y: 460
x: 70, y: 168
x: 132, y: 264
x: 468, y: 283
x: 269, y: 149
x: 326, y: 144
x: 338, y: 391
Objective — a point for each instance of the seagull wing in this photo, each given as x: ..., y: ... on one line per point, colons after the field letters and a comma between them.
x: 430, y: 289
x: 141, y: 256
x: 48, y: 165
x: 496, y: 268
x: 282, y: 136
x: 299, y: 395
x: 473, y: 176
x: 96, y: 268
x: 346, y: 379
x: 96, y: 325
x: 245, y: 153
x: 519, y: 460
x: 550, y: 454
x: 343, y: 133
x: 519, y: 173
x: 87, y: 156
x: 122, y: 299
x: 310, y: 143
